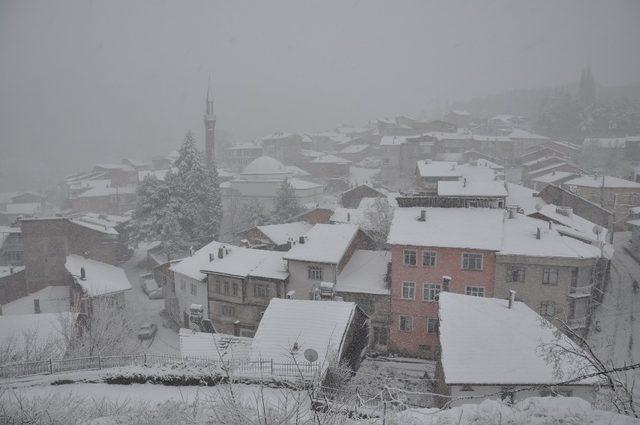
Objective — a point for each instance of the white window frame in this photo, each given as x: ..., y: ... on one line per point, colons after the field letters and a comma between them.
x: 469, y: 290
x: 549, y: 270
x: 314, y: 272
x: 545, y: 307
x: 194, y: 289
x: 431, y: 291
x: 435, y: 258
x: 415, y: 257
x: 468, y: 255
x: 430, y: 320
x: 411, y: 287
x: 521, y: 273
x: 407, y: 320
x: 183, y: 284
x: 261, y: 290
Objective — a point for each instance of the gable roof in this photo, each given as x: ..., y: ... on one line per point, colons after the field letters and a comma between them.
x: 428, y: 168
x: 280, y: 234
x: 485, y: 342
x: 101, y: 278
x: 600, y: 181
x: 365, y: 273
x: 472, y: 188
x: 214, y: 346
x: 324, y: 243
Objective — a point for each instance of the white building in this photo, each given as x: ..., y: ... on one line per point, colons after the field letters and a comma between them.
x: 495, y: 349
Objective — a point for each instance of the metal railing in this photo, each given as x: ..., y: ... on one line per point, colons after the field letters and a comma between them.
x: 580, y: 291
x: 578, y: 323
x: 254, y: 369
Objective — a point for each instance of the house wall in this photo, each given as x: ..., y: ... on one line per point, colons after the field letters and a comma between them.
x: 449, y: 263
x: 316, y: 216
x: 352, y: 197
x: 533, y: 292
x: 45, y: 253
x: 377, y: 307
x: 635, y: 239
x: 299, y: 277
x: 361, y: 241
x: 12, y: 287
x: 96, y: 245
x: 185, y: 298
x: 619, y: 200
x: 583, y: 207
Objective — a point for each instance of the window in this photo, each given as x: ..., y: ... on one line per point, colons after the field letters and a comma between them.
x: 476, y: 291
x: 314, y: 272
x: 446, y: 280
x: 408, y: 290
x: 515, y: 274
x: 409, y: 257
x: 550, y: 276
x: 574, y: 277
x: 429, y: 258
x: 183, y: 285
x: 194, y: 289
x: 432, y: 325
x: 430, y: 291
x: 471, y: 261
x: 234, y: 289
x: 406, y: 323
x: 379, y: 336
x: 226, y: 288
x: 261, y: 291
x: 547, y: 308
x: 217, y: 286
x: 228, y: 310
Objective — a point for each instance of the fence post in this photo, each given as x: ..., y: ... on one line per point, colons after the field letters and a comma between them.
x: 99, y: 362
x: 145, y: 359
x: 384, y: 413
x: 50, y: 366
x: 272, y: 367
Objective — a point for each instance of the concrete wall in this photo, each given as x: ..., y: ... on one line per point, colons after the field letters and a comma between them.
x: 185, y: 298
x: 299, y: 277
x: 45, y: 252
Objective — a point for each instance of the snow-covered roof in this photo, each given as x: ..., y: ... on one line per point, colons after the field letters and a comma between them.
x: 330, y: 159
x: 265, y: 165
x: 113, y: 166
x: 459, y: 112
x: 303, y: 184
x: 277, y: 136
x: 473, y: 228
x: 297, y: 171
x: 520, y: 238
x: 553, y: 176
x: 319, y: 325
x: 324, y: 243
x: 428, y: 168
x: 26, y: 208
x: 243, y: 262
x: 52, y: 299
x: 354, y: 149
x: 216, y: 346
x: 36, y: 330
x: 472, y: 188
x: 191, y: 266
x: 392, y: 140
x: 158, y: 174
x: 481, y: 162
x: 107, y: 191
x: 365, y: 273
x: 523, y: 197
x: 566, y: 217
x: 519, y: 133
x: 485, y: 342
x: 635, y: 223
x: 310, y: 153
x: 280, y: 234
x: 243, y: 146
x: 101, y: 278
x: 613, y: 142
x: 350, y: 215
x: 533, y: 162
x: 9, y: 270
x: 101, y: 223
x: 600, y: 181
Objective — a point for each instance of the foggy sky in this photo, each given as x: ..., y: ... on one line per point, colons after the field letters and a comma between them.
x: 84, y: 82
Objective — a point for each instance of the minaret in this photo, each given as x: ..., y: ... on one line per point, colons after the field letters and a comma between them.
x: 209, y: 128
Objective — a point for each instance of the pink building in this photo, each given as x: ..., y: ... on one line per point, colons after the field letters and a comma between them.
x: 433, y: 250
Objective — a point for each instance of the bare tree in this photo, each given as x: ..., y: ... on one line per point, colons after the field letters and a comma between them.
x: 379, y: 216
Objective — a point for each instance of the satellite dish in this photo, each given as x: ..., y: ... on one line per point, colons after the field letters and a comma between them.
x: 311, y: 355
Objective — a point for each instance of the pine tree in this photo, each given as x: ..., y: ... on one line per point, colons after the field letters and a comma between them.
x: 286, y: 204
x: 253, y: 214
x: 153, y: 198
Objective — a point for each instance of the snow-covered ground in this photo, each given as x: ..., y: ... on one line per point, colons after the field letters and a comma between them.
x: 143, y: 310
x: 619, y: 337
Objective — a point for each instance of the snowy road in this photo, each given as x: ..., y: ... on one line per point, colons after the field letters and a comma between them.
x: 619, y: 338
x: 144, y: 310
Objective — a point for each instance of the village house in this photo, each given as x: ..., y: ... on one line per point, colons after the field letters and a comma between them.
x: 11, y: 246
x: 12, y: 284
x: 429, y: 173
x: 570, y: 224
x: 505, y: 338
x: 554, y: 177
x: 635, y: 236
x: 329, y: 166
x: 285, y: 147
x: 351, y: 198
x: 355, y: 153
x: 237, y: 157
x: 51, y: 299
x: 592, y: 211
x: 458, y: 117
x: 553, y: 274
x: 613, y: 193
x: 275, y: 237
x: 94, y: 281
x: 321, y: 255
x: 433, y: 250
x: 314, y: 215
x: 106, y: 199
x: 365, y: 281
x: 232, y: 284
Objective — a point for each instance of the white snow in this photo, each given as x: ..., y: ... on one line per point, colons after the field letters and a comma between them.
x: 485, y: 342
x: 553, y: 176
x: 320, y: 325
x: 101, y: 278
x: 299, y: 184
x: 523, y: 197
x: 602, y: 181
x: 280, y: 234
x: 474, y: 228
x: 29, y: 208
x: 243, y: 262
x: 34, y: 330
x: 201, y: 345
x: 99, y: 191
x: 324, y: 243
x: 53, y: 299
x: 365, y: 273
x: 393, y: 140
x: 9, y: 270
x: 330, y: 159
x: 428, y: 168
x: 265, y: 165
x: 519, y: 133
x: 472, y: 188
x: 582, y: 226
x: 354, y: 149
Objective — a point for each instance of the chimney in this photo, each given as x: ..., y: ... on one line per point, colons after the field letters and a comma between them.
x: 423, y: 215
x: 348, y: 216
x: 221, y: 252
x: 549, y: 225
x: 512, y: 213
x: 512, y: 297
x: 538, y: 233
x: 36, y: 306
x: 301, y: 240
x: 83, y: 273
x: 211, y: 256
x: 10, y: 269
x: 0, y: 309
x: 464, y: 182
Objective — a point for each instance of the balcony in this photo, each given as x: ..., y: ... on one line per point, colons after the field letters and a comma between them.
x: 580, y: 291
x: 577, y: 323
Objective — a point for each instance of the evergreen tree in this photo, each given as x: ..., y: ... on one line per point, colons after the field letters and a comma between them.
x: 253, y: 214
x: 153, y: 198
x: 286, y: 204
